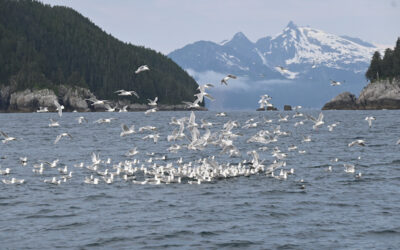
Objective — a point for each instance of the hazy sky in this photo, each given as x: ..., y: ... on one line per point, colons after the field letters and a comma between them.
x: 166, y: 25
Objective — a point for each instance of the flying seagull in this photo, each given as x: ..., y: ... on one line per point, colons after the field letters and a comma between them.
x: 59, y: 107
x: 61, y: 136
x: 122, y: 92
x: 369, y: 119
x: 336, y: 83
x: 226, y: 78
x: 142, y: 68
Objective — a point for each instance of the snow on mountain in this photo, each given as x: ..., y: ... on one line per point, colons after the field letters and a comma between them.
x: 294, y: 66
x: 295, y: 48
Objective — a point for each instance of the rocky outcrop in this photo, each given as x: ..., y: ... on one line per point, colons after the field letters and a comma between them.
x: 383, y: 94
x: 73, y: 98
x: 343, y: 101
x: 30, y: 101
x: 287, y: 108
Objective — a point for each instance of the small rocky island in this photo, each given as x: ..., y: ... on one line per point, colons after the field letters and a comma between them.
x: 376, y: 95
x: 383, y: 91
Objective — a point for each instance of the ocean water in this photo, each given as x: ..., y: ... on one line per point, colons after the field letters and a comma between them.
x: 333, y: 210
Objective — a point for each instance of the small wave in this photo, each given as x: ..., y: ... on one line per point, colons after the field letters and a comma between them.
x: 237, y: 243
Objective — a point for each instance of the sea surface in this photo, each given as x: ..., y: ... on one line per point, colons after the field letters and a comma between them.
x: 311, y: 209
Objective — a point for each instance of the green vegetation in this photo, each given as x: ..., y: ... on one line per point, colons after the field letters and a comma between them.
x: 43, y: 46
x: 387, y: 67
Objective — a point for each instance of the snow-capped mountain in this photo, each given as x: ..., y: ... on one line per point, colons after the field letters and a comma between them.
x: 297, y: 54
x: 301, y: 50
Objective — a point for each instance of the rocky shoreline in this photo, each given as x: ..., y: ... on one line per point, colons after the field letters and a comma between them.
x: 384, y: 94
x: 73, y: 99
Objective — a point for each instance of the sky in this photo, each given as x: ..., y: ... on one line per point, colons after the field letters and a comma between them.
x: 166, y: 25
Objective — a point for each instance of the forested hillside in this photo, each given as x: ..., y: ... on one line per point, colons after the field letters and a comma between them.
x: 387, y: 67
x: 43, y: 46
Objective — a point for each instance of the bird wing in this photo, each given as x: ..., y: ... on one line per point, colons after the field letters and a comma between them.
x: 232, y: 76
x: 58, y: 138
x: 320, y: 117
x: 134, y: 93
x: 58, y: 106
x: 124, y: 127
x: 4, y: 134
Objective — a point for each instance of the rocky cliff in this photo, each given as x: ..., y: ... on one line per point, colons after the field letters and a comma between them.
x: 73, y: 98
x: 384, y: 94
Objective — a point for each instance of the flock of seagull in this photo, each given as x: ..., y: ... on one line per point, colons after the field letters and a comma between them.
x: 186, y: 135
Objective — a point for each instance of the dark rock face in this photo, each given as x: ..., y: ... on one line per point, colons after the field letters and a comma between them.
x: 384, y: 94
x: 30, y: 101
x: 287, y: 108
x: 343, y: 101
x: 73, y: 98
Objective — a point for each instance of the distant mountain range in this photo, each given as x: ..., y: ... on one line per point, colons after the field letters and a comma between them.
x: 295, y: 65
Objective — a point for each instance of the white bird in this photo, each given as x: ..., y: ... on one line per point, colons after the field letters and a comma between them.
x: 52, y: 164
x: 23, y: 160
x: 123, y: 109
x: 148, y: 128
x: 336, y: 83
x: 42, y: 110
x: 122, y: 92
x: 109, y: 108
x: 127, y: 130
x: 61, y: 136
x: 226, y: 78
x: 141, y: 69
x: 13, y: 181
x: 132, y: 152
x: 205, y: 124
x: 203, y: 93
x: 97, y: 102
x: 317, y: 122
x: 53, y: 123
x: 349, y: 168
x: 95, y: 159
x: 332, y: 126
x: 153, y: 102
x: 52, y: 181
x: 5, y: 171
x: 6, y: 137
x: 81, y: 119
x: 282, y: 69
x: 357, y: 142
x: 221, y: 114
x: 104, y: 120
x: 59, y: 107
x: 194, y: 104
x: 152, y: 136
x: 153, y: 110
x: 369, y: 119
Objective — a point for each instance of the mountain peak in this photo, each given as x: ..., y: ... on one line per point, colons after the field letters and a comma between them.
x: 291, y: 25
x: 239, y: 35
x: 239, y: 39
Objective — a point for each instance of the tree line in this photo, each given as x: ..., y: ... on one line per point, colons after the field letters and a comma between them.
x: 387, y: 67
x: 43, y: 47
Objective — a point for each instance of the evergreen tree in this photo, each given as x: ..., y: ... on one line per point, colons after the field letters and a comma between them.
x: 374, y: 70
x: 396, y: 59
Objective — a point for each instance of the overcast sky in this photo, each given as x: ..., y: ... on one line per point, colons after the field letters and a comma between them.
x: 166, y: 25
